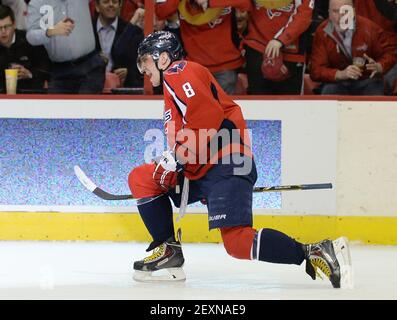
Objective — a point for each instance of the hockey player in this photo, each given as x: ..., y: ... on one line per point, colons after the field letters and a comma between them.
x: 194, y: 102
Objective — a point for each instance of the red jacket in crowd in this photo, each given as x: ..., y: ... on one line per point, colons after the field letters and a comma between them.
x: 210, y: 44
x: 328, y: 56
x: 285, y: 24
x: 368, y: 9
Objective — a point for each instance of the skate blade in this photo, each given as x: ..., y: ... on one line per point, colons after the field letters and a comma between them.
x: 342, y: 251
x: 165, y: 275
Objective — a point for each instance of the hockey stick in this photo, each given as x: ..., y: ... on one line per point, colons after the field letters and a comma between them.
x: 294, y: 187
x: 87, y: 182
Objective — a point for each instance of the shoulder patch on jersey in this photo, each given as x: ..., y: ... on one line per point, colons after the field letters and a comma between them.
x: 177, y: 68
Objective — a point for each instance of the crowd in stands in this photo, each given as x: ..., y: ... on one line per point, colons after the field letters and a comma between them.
x: 257, y: 47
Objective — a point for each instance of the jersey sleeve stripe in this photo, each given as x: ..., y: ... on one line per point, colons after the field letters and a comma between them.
x: 178, y: 102
x: 291, y: 18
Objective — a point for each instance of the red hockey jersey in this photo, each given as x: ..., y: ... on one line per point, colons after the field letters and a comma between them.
x: 286, y: 24
x: 368, y: 9
x: 196, y: 109
x: 210, y: 44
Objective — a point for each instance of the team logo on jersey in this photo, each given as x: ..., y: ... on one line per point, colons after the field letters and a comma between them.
x: 176, y: 68
x: 214, y: 23
x: 272, y: 13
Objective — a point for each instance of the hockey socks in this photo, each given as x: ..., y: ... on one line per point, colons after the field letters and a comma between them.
x: 274, y: 246
x: 156, y: 214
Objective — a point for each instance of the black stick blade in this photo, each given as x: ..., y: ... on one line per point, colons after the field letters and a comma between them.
x: 108, y: 196
x: 87, y: 182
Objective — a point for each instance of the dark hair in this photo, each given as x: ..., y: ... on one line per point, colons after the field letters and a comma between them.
x: 6, y: 11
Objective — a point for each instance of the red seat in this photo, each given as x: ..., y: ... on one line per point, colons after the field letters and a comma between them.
x: 309, y: 85
x: 242, y: 84
x: 112, y: 81
x: 394, y: 89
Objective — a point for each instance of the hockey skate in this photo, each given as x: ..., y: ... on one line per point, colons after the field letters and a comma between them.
x: 332, y: 259
x: 165, y: 263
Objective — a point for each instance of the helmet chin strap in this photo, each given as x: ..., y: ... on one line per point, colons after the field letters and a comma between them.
x: 162, y: 71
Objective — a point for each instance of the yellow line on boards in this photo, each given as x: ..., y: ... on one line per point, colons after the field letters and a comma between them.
x: 129, y: 227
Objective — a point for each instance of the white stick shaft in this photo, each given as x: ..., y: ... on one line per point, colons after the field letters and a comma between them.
x: 184, y: 199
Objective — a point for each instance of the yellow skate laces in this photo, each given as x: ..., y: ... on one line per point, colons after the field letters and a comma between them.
x: 319, y: 263
x: 157, y: 253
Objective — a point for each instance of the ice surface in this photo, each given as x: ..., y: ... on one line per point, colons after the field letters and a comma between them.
x: 102, y: 270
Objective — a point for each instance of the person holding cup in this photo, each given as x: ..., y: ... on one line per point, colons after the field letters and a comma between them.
x: 351, y: 54
x: 21, y: 65
x: 11, y: 80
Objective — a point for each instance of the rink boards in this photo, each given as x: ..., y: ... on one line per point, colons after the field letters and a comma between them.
x: 348, y: 143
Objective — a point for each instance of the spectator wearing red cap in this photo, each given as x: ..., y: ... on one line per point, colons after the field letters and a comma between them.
x: 350, y: 60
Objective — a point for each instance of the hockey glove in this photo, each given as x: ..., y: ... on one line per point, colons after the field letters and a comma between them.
x: 166, y: 171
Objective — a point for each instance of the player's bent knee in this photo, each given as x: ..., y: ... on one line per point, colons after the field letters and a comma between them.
x: 141, y: 183
x: 238, y: 241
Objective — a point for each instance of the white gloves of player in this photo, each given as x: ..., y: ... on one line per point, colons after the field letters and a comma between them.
x: 167, y: 161
x: 165, y: 172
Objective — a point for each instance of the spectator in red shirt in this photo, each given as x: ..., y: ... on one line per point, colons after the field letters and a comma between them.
x: 272, y: 32
x: 369, y: 9
x: 382, y: 12
x: 213, y: 44
x: 350, y: 60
